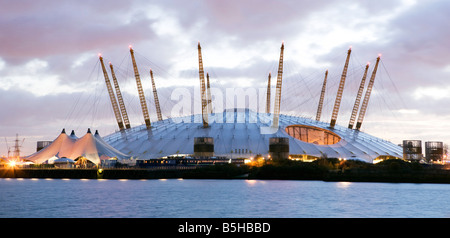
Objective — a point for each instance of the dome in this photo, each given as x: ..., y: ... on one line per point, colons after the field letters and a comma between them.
x: 239, y: 133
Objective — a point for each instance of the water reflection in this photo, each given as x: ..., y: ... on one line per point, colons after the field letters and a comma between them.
x: 343, y: 184
x: 220, y: 198
x: 253, y: 182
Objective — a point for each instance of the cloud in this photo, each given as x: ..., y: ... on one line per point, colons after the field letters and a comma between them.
x: 47, y: 29
x: 49, y: 63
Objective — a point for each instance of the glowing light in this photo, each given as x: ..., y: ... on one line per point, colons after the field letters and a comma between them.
x: 377, y: 160
x: 131, y: 47
x: 12, y: 163
x: 379, y: 55
x: 99, y: 55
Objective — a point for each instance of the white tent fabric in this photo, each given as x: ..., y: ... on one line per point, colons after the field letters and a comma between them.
x: 245, y: 133
x: 91, y: 147
x: 60, y: 147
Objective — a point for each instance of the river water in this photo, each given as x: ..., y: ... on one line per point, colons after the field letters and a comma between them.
x: 176, y: 198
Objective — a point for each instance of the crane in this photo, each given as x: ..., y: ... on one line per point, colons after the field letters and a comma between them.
x: 276, y: 115
x: 202, y: 86
x: 112, y: 97
x: 322, y: 96
x: 268, y: 95
x: 337, y: 103
x: 358, y: 99
x: 141, y: 91
x: 362, y: 112
x: 120, y: 98
x: 155, y: 95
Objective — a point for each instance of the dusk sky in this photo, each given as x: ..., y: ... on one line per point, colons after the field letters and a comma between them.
x: 50, y: 76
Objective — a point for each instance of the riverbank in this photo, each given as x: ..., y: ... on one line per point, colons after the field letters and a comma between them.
x: 56, y: 173
x: 392, y: 171
x: 396, y: 171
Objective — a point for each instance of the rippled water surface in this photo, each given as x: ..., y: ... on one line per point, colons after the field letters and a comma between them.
x: 219, y: 198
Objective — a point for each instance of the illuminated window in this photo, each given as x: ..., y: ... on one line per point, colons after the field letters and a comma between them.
x: 311, y: 134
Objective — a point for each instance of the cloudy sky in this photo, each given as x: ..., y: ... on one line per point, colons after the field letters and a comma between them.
x: 50, y: 76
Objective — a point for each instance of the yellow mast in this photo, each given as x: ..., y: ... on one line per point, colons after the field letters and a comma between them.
x: 358, y: 99
x: 120, y: 98
x: 202, y: 86
x: 208, y: 88
x: 322, y: 96
x: 112, y: 97
x: 141, y: 91
x: 362, y: 112
x: 337, y: 103
x: 276, y: 115
x: 268, y: 95
x: 155, y: 95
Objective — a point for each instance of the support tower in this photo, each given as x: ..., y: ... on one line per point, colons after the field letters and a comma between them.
x: 322, y: 96
x: 276, y: 114
x: 155, y: 95
x: 123, y: 110
x: 268, y: 95
x: 358, y: 99
x: 141, y: 91
x: 112, y: 97
x: 337, y: 103
x: 362, y: 112
x: 208, y: 88
x: 202, y: 86
x: 16, y: 152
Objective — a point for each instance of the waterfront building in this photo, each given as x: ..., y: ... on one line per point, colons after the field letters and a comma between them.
x: 234, y: 133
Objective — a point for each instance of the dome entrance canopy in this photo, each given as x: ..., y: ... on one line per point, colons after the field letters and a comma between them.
x: 312, y: 134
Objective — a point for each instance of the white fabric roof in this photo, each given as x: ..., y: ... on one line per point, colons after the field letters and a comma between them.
x: 246, y: 131
x: 92, y: 147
